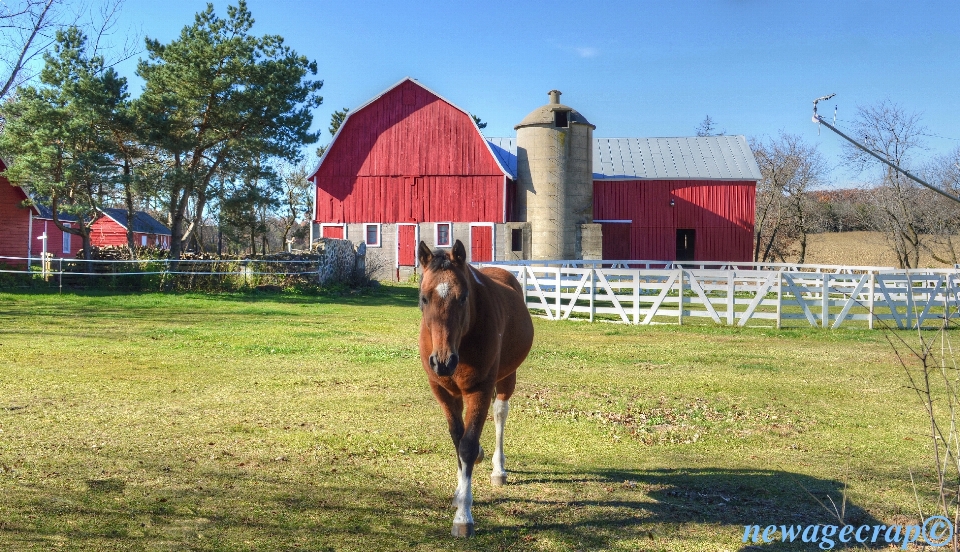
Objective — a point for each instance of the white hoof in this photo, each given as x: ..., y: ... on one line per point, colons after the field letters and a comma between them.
x: 498, y: 480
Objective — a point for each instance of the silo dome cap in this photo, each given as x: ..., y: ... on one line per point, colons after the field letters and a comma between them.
x: 543, y: 115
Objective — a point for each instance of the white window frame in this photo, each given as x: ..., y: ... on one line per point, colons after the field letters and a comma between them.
x: 66, y: 237
x: 436, y: 235
x: 339, y: 224
x: 366, y: 228
x: 143, y: 240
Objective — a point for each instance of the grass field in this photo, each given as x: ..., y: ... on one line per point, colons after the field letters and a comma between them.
x: 273, y: 422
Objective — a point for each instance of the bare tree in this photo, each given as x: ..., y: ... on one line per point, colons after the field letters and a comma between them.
x: 942, y: 219
x: 295, y: 203
x: 28, y: 29
x: 894, y: 134
x: 790, y: 169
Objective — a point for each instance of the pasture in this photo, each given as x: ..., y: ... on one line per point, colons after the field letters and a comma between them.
x: 284, y: 422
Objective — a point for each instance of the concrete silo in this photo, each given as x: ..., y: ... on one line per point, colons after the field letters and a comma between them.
x: 555, y: 182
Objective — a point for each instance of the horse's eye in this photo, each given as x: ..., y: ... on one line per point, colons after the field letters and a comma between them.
x: 423, y: 300
x: 463, y: 300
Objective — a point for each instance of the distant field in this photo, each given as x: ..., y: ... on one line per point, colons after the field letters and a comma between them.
x: 856, y: 248
x: 246, y: 422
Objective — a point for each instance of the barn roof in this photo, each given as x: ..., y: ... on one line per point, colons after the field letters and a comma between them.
x: 45, y: 212
x: 695, y: 158
x: 505, y: 149
x: 380, y: 95
x: 142, y: 222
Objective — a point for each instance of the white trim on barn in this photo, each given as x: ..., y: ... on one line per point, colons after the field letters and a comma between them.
x: 436, y: 234
x: 493, y: 239
x: 332, y: 225
x: 379, y: 241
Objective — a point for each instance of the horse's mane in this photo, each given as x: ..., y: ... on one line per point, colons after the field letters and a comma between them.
x: 440, y: 261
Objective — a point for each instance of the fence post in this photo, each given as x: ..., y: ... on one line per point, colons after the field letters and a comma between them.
x: 593, y: 292
x: 873, y: 286
x: 825, y: 302
x: 636, y: 296
x: 680, y: 299
x: 779, y: 298
x: 559, y: 298
x: 731, y: 293
x: 523, y: 282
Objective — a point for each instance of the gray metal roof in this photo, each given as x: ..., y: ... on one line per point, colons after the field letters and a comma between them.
x: 696, y: 157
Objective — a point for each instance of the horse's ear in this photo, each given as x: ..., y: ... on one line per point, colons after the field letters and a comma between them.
x: 423, y: 254
x: 459, y: 253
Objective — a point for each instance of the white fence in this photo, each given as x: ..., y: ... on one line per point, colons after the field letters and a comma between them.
x: 651, y: 292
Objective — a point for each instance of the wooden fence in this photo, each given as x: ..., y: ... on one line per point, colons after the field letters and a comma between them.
x: 781, y: 295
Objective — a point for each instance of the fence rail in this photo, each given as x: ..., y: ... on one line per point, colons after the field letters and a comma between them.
x: 160, y: 274
x: 821, y: 296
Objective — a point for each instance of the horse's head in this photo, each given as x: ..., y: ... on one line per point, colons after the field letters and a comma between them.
x: 444, y: 301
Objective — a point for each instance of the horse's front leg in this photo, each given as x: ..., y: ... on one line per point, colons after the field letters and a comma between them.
x: 468, y: 451
x: 452, y: 407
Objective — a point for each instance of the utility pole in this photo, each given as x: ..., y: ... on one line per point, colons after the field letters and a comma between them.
x: 819, y: 120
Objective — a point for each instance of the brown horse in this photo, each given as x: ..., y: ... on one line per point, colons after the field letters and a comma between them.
x: 475, y: 332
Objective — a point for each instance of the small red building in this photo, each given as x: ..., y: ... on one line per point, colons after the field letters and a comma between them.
x: 15, y: 223
x: 23, y: 230
x: 111, y: 226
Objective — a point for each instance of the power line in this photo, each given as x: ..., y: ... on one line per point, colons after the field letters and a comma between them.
x: 819, y: 120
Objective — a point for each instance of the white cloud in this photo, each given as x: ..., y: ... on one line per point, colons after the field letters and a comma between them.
x: 587, y: 52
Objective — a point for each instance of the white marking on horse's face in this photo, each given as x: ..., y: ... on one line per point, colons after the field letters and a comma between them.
x: 443, y: 289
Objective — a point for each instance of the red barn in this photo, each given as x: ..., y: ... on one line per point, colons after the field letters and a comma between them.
x: 684, y: 199
x: 410, y: 165
x: 407, y: 166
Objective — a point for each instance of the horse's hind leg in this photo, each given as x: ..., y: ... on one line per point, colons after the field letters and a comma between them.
x: 501, y: 407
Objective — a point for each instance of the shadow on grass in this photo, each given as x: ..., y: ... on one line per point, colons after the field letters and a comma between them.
x: 359, y: 508
x: 642, y: 505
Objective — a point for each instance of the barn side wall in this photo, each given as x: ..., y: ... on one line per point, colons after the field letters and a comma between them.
x: 382, y: 263
x: 409, y: 156
x: 54, y: 240
x: 721, y: 213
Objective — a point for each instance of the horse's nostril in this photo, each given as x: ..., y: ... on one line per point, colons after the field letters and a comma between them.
x: 453, y: 361
x: 433, y: 362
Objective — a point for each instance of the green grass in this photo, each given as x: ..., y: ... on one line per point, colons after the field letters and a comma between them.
x: 275, y: 422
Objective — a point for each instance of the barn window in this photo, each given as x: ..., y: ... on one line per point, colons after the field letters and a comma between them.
x: 443, y: 234
x: 372, y: 233
x: 143, y: 240
x: 66, y: 238
x: 516, y: 239
x: 560, y: 119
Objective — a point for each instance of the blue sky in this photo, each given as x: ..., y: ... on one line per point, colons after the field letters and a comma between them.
x: 633, y: 68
